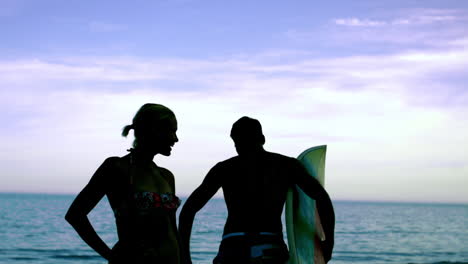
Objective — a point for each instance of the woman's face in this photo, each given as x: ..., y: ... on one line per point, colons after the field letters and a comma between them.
x: 162, y: 136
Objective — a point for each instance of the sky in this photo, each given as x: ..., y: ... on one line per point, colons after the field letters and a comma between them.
x: 382, y: 83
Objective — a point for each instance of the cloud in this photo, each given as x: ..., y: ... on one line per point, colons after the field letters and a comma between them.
x: 415, y: 20
x: 425, y: 16
x: 239, y: 73
x: 359, y: 22
x: 410, y: 29
x: 379, y: 114
x: 410, y: 17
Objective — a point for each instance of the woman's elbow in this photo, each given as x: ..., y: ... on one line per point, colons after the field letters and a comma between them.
x: 73, y: 217
x: 69, y: 217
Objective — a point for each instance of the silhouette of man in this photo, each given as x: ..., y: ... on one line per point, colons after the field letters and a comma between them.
x: 255, y: 184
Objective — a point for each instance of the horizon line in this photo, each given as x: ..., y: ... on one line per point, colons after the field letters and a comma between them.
x: 221, y: 197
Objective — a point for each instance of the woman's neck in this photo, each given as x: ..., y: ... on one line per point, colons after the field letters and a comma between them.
x: 142, y: 156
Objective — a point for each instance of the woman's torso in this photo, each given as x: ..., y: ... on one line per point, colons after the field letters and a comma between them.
x: 144, y: 204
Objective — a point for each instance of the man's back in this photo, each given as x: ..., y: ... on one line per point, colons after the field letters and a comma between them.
x: 255, y: 190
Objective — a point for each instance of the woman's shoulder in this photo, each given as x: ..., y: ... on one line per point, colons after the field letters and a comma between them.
x: 112, y: 174
x: 112, y: 161
x: 114, y: 164
x: 168, y: 176
x: 116, y: 161
x: 166, y: 173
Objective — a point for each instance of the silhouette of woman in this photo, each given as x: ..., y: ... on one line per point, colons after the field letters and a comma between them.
x: 141, y: 194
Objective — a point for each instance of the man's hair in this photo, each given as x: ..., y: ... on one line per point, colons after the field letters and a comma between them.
x: 247, y: 128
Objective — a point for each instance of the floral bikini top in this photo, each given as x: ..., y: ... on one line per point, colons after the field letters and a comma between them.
x: 145, y: 200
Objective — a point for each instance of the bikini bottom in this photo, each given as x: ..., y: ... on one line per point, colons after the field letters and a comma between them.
x: 137, y: 253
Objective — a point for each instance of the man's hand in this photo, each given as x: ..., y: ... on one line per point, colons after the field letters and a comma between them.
x: 184, y: 259
x: 327, y: 249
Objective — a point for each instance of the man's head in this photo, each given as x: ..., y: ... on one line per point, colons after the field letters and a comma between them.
x: 247, y: 135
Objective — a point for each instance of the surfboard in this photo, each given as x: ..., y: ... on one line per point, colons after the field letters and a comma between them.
x: 303, y: 226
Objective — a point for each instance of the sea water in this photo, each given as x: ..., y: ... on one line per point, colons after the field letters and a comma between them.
x: 33, y: 230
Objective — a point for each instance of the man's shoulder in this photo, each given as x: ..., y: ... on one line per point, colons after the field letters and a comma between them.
x: 280, y: 157
x: 228, y: 162
x: 272, y: 157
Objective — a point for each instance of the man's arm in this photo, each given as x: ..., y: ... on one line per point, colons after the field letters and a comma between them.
x: 315, y: 190
x: 195, y: 202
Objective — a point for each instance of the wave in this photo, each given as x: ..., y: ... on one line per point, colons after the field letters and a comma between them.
x: 442, y: 262
x: 76, y: 257
x: 30, y: 254
x: 23, y: 258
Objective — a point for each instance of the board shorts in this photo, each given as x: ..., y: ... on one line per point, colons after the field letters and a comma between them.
x: 252, y: 248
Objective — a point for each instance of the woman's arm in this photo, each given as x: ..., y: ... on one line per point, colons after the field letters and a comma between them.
x: 169, y: 177
x: 87, y: 199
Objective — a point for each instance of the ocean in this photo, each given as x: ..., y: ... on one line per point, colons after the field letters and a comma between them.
x: 33, y: 230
